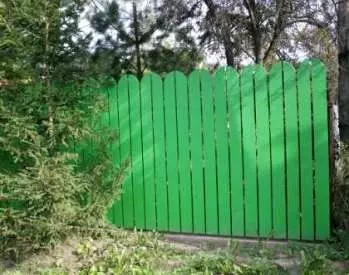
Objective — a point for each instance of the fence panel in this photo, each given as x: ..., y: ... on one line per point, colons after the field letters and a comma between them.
x: 186, y: 196
x: 305, y: 151
x: 249, y: 152
x: 236, y: 162
x: 209, y: 155
x: 263, y: 153
x: 228, y: 154
x: 172, y: 151
x: 194, y: 83
x: 292, y: 151
x: 277, y: 133
x: 220, y: 97
x: 321, y: 155
x: 148, y: 152
x: 161, y: 190
x: 125, y: 151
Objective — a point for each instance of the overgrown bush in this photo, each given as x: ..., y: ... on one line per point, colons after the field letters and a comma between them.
x: 340, y: 200
x: 46, y: 190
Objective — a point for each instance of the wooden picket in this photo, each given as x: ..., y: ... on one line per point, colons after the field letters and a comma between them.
x: 231, y: 154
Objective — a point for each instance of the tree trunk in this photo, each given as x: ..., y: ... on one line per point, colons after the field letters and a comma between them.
x: 343, y: 62
x: 50, y: 123
x: 137, y: 42
x: 229, y: 54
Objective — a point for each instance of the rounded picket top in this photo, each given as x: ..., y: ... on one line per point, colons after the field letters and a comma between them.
x: 303, y: 77
x: 247, y: 71
x: 122, y: 85
x: 318, y: 68
x: 199, y: 74
x: 246, y: 79
x: 313, y: 62
x: 175, y: 75
x: 260, y: 69
x: 150, y: 77
x: 260, y: 72
x: 317, y: 62
x: 287, y: 66
x: 156, y: 77
x: 180, y: 75
x: 194, y: 74
x: 231, y: 71
x: 319, y: 79
x: 276, y: 68
x: 123, y: 79
x: 220, y: 73
x: 289, y: 77
x: 304, y: 66
x: 260, y: 76
x: 146, y: 81
x: 203, y: 72
x: 194, y: 81
x: 156, y: 82
x: 127, y: 81
x: 132, y: 79
x: 222, y: 69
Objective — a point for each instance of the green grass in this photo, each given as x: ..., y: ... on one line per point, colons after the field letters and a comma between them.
x: 148, y: 253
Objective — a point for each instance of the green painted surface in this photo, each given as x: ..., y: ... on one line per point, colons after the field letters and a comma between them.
x: 115, y: 145
x: 305, y: 151
x: 194, y: 83
x: 263, y: 153
x: 148, y: 151
x: 277, y: 134
x: 235, y: 142
x: 249, y: 151
x: 229, y: 154
x: 184, y: 173
x: 160, y: 155
x: 220, y: 91
x: 125, y: 151
x: 292, y: 152
x: 171, y: 151
x: 136, y: 152
x: 209, y: 156
x: 321, y: 156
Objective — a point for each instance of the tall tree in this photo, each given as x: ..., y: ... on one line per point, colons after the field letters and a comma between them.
x: 134, y: 41
x: 38, y: 32
x: 132, y: 32
x: 245, y: 29
x: 343, y: 60
x: 40, y: 122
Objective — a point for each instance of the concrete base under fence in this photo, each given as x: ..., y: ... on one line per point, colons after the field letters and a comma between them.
x: 278, y: 250
x: 223, y: 242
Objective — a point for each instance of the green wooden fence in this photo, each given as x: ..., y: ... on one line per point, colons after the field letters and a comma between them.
x: 230, y: 154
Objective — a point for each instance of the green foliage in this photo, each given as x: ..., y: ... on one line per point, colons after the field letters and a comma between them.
x: 314, y: 262
x: 45, y: 188
x: 182, y: 58
x: 134, y: 42
x: 223, y: 263
x: 125, y: 252
x: 121, y: 262
x: 340, y: 202
x: 44, y: 183
x: 36, y: 33
x: 343, y: 164
x: 139, y: 253
x: 337, y: 248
